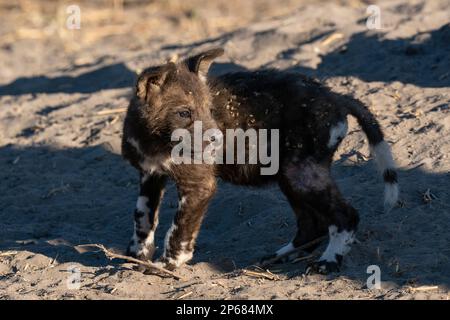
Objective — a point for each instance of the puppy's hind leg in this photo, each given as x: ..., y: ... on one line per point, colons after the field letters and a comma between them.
x: 311, y: 223
x: 320, y: 209
x: 341, y: 230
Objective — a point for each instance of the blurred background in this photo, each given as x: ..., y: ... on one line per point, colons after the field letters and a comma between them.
x: 142, y: 20
x: 34, y: 33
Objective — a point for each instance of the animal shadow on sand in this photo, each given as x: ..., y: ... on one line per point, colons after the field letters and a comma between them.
x: 421, y: 60
x: 53, y: 199
x: 105, y: 77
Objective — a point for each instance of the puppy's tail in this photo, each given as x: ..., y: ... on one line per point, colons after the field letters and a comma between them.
x: 378, y: 148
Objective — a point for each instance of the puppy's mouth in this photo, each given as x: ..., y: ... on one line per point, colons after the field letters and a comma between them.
x: 204, y: 153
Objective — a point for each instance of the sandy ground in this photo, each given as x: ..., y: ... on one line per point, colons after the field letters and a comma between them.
x: 63, y: 182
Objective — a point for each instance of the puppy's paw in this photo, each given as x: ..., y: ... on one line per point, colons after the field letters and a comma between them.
x: 164, y: 263
x: 323, y: 267
x: 140, y: 251
x: 276, y: 259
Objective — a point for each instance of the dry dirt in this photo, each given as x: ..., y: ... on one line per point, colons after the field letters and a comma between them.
x: 63, y: 182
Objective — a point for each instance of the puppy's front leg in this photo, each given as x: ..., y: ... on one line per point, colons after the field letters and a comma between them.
x: 146, y: 216
x: 194, y: 196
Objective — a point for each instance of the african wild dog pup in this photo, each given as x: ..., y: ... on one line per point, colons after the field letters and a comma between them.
x: 311, y: 121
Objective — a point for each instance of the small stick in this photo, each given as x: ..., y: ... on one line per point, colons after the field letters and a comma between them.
x: 266, y: 275
x: 333, y: 37
x: 8, y: 253
x: 114, y: 120
x: 184, y: 295
x: 149, y: 265
x: 424, y: 288
x: 298, y: 249
x: 111, y: 111
x: 308, y: 257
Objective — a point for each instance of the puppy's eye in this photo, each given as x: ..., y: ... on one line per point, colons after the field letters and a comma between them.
x: 184, y: 114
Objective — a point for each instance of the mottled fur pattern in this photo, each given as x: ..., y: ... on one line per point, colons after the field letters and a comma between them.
x: 312, y: 123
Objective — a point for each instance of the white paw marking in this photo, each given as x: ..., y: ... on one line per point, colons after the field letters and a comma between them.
x: 286, y: 249
x: 143, y: 247
x: 339, y: 244
x: 183, y: 256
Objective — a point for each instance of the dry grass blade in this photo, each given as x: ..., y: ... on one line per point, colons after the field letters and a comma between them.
x: 153, y: 268
x: 260, y: 274
x: 111, y: 111
x: 423, y: 288
x: 428, y: 196
x: 332, y: 38
x: 298, y: 249
x: 8, y: 253
x: 184, y: 295
x: 114, y: 120
x: 308, y: 257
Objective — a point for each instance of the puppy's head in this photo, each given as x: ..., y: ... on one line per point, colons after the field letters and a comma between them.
x: 175, y: 95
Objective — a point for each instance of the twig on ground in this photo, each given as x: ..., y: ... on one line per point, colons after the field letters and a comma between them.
x: 114, y: 120
x: 184, y: 295
x: 8, y: 253
x: 427, y: 196
x: 308, y: 257
x: 332, y: 38
x: 153, y: 268
x: 423, y: 288
x: 111, y: 111
x: 260, y: 274
x: 298, y: 249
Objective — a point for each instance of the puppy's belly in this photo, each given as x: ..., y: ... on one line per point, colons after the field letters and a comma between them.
x: 244, y: 174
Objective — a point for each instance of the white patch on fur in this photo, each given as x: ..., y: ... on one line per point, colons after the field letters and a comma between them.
x: 183, y: 256
x: 202, y: 77
x: 181, y: 202
x: 135, y: 144
x: 171, y: 230
x: 339, y: 244
x: 141, y: 204
x: 157, y: 164
x: 135, y: 247
x: 337, y: 133
x: 383, y: 157
x: 390, y: 195
x: 147, y: 249
x: 144, y: 178
x: 144, y: 248
x: 286, y: 249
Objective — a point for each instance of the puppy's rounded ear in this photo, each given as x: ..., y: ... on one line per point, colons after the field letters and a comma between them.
x: 200, y: 63
x: 151, y: 79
